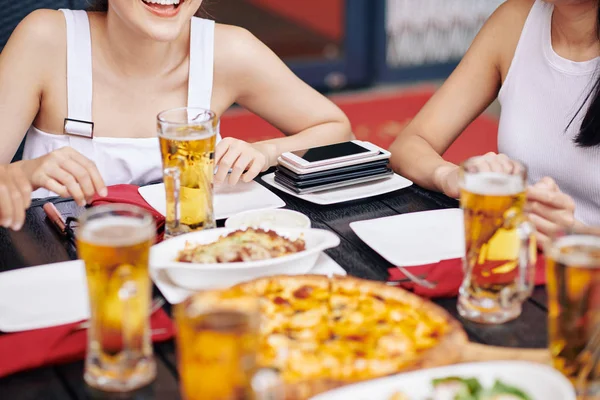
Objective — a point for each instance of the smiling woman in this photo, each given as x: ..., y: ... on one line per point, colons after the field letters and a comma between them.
x: 87, y: 86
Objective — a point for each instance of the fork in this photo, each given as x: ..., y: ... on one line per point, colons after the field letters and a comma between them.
x: 416, y: 280
x: 157, y: 304
x: 590, y: 359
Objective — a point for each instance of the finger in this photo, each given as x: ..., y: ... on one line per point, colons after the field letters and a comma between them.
x: 6, y: 207
x: 505, y: 163
x: 239, y: 167
x: 24, y: 186
x: 92, y: 172
x: 81, y: 174
x: 558, y: 216
x: 551, y: 198
x: 221, y: 149
x: 68, y: 181
x: 542, y: 241
x: 53, y: 186
x: 548, y: 183
x: 227, y: 161
x: 542, y: 225
x: 18, y: 207
x: 253, y: 171
x: 482, y: 165
x: 492, y: 160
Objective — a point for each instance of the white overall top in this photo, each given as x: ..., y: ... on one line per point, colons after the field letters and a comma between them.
x: 541, y: 94
x: 119, y: 160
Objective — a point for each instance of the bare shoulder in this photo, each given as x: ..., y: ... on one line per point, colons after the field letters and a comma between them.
x: 42, y: 30
x: 237, y: 49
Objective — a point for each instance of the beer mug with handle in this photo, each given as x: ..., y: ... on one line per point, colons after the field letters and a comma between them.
x: 500, y: 252
x: 187, y: 143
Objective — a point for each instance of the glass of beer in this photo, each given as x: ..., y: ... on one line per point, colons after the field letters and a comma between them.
x: 114, y: 242
x: 500, y: 254
x: 187, y: 143
x: 573, y: 273
x: 217, y: 344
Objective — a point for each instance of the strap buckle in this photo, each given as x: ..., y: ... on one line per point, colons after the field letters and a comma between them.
x: 76, y: 127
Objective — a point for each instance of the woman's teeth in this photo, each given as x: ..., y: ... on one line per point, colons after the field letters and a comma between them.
x: 163, y: 2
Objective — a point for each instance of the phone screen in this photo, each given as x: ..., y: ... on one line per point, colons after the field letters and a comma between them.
x: 331, y: 151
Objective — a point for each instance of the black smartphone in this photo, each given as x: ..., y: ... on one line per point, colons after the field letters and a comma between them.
x: 331, y: 172
x: 287, y: 183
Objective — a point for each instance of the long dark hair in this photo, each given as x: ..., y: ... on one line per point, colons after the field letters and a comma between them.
x: 589, y: 132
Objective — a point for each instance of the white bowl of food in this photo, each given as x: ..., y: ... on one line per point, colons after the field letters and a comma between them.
x: 223, y: 257
x: 268, y: 219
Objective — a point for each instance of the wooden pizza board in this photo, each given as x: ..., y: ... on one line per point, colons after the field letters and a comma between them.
x: 478, y: 352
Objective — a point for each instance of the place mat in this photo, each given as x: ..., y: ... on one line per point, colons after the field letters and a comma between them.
x: 228, y: 200
x: 60, y: 344
x: 449, y: 276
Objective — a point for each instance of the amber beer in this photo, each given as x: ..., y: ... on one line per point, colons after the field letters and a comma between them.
x: 573, y: 273
x: 216, y: 344
x: 114, y: 242
x: 187, y: 144
x: 499, y: 246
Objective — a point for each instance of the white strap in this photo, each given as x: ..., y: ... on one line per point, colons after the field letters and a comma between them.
x: 79, y: 124
x: 202, y: 48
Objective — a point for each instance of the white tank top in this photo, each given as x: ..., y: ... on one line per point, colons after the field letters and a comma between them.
x: 119, y: 160
x: 541, y: 94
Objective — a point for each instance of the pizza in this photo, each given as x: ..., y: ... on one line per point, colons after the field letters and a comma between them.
x: 241, y: 245
x: 322, y: 332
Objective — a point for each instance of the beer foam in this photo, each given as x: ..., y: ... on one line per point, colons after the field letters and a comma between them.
x: 493, y: 184
x: 586, y: 251
x: 117, y: 231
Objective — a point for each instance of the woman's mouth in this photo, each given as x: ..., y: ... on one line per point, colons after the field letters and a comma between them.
x: 163, y: 8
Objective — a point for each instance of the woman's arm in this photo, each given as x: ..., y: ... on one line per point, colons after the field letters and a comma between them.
x: 471, y: 88
x: 259, y: 81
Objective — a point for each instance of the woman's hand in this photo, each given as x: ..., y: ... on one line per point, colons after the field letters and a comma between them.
x: 15, y: 196
x: 549, y: 209
x: 245, y: 160
x: 446, y: 177
x: 67, y: 173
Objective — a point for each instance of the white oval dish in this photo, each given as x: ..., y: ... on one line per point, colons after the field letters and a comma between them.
x: 269, y: 219
x: 199, y: 276
x: 541, y: 382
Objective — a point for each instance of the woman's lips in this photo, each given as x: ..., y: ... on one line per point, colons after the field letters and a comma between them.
x: 163, y: 10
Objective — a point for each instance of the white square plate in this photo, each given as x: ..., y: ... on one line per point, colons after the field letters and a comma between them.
x: 228, y: 199
x: 43, y: 296
x: 175, y: 294
x: 539, y: 381
x: 349, y: 193
x: 415, y: 238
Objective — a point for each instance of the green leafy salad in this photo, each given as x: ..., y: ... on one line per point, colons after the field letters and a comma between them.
x: 454, y: 388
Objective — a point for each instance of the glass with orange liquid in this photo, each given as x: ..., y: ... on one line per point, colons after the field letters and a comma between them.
x: 573, y: 272
x: 500, y: 246
x: 217, y: 345
x: 114, y: 242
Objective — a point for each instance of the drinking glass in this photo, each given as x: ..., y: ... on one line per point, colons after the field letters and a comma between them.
x: 114, y: 242
x: 500, y: 244
x: 217, y: 345
x: 187, y: 143
x: 573, y: 274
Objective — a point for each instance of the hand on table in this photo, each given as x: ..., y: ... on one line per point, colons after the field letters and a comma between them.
x: 245, y: 160
x: 67, y: 173
x: 549, y: 209
x: 15, y: 196
x: 447, y: 176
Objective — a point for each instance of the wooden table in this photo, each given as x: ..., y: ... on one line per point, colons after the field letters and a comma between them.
x: 38, y: 243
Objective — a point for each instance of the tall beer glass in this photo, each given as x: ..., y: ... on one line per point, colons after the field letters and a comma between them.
x: 500, y: 246
x: 187, y: 144
x: 573, y: 271
x: 114, y: 242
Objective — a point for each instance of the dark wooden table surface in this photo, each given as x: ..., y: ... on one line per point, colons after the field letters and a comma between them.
x: 38, y: 244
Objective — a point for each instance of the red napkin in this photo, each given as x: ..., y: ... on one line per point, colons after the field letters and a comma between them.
x: 449, y: 275
x: 128, y: 194
x: 60, y: 344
